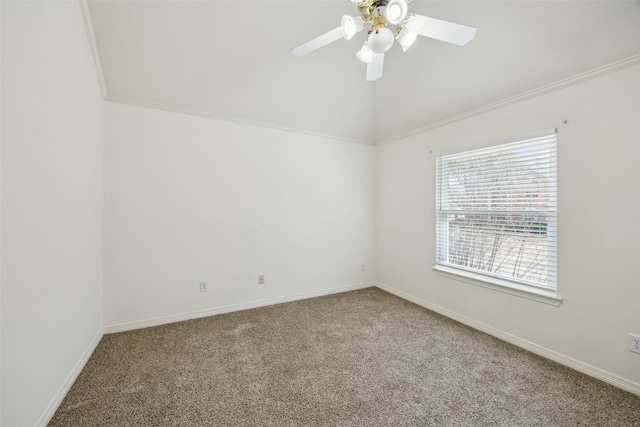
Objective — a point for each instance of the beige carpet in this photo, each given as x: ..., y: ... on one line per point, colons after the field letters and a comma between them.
x: 362, y: 358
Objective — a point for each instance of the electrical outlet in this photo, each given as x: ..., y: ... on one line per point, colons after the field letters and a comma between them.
x: 260, y: 280
x: 204, y: 286
x: 364, y: 267
x: 634, y: 343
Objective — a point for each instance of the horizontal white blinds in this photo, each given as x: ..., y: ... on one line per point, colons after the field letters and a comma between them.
x: 496, y: 211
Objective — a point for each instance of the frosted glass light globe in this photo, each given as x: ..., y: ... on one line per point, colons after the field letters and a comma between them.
x: 380, y: 40
x: 351, y: 25
x: 396, y: 11
x: 365, y: 54
x: 406, y: 38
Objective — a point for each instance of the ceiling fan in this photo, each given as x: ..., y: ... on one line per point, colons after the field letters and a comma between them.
x: 386, y: 20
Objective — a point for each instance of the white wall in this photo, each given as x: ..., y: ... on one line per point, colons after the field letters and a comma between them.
x: 190, y: 198
x: 51, y: 206
x: 598, y: 228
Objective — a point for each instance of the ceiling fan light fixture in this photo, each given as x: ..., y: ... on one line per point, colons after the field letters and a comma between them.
x: 395, y: 11
x: 365, y: 54
x: 406, y: 38
x: 380, y: 40
x: 386, y: 21
x: 351, y: 25
x: 407, y: 33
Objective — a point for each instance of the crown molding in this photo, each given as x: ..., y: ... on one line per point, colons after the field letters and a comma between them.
x: 86, y: 15
x: 221, y: 117
x: 570, y: 81
x: 93, y: 44
x: 578, y: 78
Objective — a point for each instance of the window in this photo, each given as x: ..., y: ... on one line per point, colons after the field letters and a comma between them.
x: 496, y: 214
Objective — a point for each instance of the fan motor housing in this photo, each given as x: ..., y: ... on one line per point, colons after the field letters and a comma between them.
x: 367, y: 12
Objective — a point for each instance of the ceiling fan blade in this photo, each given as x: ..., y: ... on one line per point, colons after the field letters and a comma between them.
x: 318, y: 42
x: 374, y: 68
x: 444, y: 31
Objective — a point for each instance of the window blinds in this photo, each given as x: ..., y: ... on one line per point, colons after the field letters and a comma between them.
x: 496, y: 211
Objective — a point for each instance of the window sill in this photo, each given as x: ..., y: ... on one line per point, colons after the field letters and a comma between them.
x: 540, y: 295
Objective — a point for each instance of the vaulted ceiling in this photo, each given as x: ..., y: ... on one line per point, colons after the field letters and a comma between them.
x: 232, y: 60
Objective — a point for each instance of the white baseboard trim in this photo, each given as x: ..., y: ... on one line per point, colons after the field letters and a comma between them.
x: 66, y: 386
x: 577, y: 365
x: 128, y: 326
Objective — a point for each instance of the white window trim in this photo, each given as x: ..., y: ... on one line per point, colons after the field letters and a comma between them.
x: 491, y: 143
x: 504, y: 286
x: 534, y: 293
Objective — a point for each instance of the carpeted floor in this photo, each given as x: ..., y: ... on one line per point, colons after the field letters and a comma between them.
x: 362, y: 358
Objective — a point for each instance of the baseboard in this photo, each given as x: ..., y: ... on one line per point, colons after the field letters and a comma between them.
x: 128, y: 326
x: 579, y: 366
x: 66, y: 386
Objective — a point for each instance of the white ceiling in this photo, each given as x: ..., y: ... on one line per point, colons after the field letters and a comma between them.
x: 232, y: 59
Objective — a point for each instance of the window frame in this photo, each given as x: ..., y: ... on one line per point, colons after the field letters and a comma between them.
x: 536, y: 291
